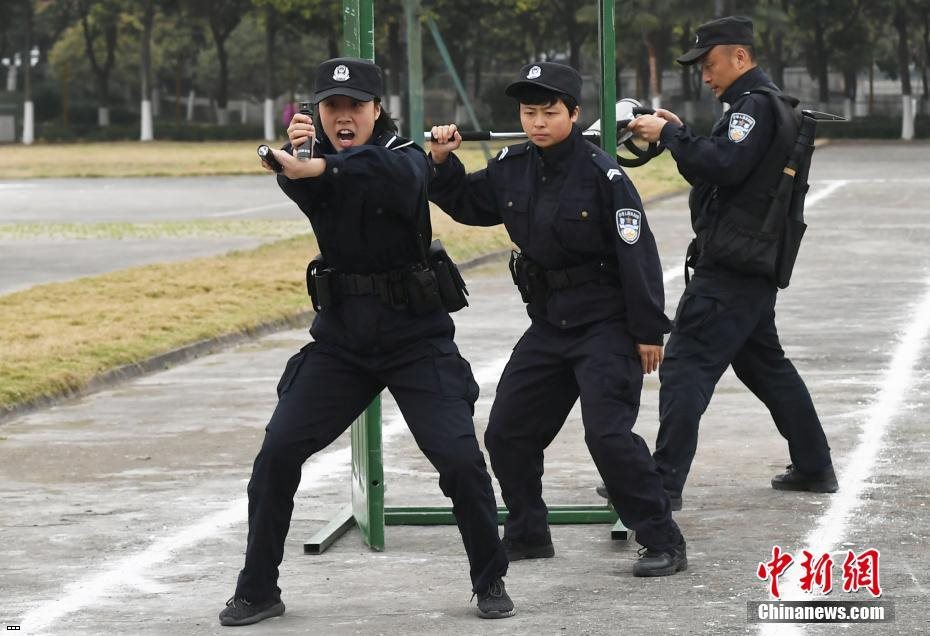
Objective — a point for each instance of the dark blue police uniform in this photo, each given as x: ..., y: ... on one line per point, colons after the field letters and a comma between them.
x: 577, y: 218
x: 370, y: 215
x: 727, y: 317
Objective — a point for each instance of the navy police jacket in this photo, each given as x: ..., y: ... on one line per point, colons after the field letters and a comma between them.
x: 369, y: 205
x: 369, y: 213
x: 716, y: 166
x: 567, y: 206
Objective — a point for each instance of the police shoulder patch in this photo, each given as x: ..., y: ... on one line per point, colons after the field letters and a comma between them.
x: 740, y: 126
x: 512, y: 151
x: 609, y: 166
x: 628, y: 224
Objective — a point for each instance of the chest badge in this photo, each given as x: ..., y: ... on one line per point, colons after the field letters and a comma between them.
x: 740, y: 125
x: 628, y: 224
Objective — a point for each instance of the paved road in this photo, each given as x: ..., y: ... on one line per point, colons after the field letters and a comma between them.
x: 140, y: 199
x: 24, y: 263
x: 125, y: 510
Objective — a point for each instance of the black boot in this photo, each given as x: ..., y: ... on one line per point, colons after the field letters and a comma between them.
x: 664, y: 563
x: 240, y: 611
x: 494, y: 602
x: 537, y: 547
x: 793, y: 479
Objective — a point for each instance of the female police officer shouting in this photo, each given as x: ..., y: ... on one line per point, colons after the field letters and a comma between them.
x: 590, y: 273
x: 378, y: 324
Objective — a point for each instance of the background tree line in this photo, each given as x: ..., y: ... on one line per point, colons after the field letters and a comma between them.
x: 99, y: 61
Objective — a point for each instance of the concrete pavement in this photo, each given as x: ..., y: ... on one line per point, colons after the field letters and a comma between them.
x: 24, y: 263
x: 125, y: 509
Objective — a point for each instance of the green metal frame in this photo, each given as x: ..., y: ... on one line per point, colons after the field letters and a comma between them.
x: 367, y: 510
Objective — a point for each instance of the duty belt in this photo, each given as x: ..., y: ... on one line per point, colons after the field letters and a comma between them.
x: 557, y: 279
x: 389, y: 286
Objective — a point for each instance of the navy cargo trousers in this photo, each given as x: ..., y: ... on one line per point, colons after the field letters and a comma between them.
x: 728, y: 319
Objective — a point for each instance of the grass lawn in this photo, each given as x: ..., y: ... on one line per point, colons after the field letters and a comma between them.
x: 56, y: 337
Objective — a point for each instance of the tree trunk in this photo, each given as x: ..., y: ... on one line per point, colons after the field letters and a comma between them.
x: 871, y: 87
x: 777, y: 53
x: 924, y: 73
x: 28, y: 112
x: 222, y: 93
x: 642, y: 77
x: 66, y: 94
x: 101, y: 71
x: 687, y: 89
x: 396, y: 62
x: 146, y: 132
x: 270, y: 32
x: 907, y: 106
x: 850, y: 77
x: 655, y: 89
x: 823, y: 79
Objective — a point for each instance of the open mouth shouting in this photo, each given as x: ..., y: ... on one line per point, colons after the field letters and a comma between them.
x: 344, y: 137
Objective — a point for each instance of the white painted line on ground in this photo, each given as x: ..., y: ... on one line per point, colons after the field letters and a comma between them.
x: 828, y: 534
x: 258, y: 208
x: 17, y: 186
x: 130, y: 571
x: 822, y: 194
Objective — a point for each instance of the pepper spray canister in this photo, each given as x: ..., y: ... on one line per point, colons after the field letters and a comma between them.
x: 305, y: 152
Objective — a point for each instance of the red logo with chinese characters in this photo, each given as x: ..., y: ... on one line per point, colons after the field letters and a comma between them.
x: 859, y: 572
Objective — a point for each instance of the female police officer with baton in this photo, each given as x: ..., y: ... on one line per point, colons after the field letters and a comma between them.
x: 380, y: 323
x: 590, y: 274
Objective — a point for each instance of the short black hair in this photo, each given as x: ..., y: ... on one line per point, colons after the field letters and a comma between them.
x: 537, y: 96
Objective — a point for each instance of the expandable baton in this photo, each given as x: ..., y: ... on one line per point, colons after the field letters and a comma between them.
x: 626, y: 110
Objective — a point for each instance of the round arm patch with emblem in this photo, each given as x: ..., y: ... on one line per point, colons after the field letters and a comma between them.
x: 628, y: 224
x: 740, y: 125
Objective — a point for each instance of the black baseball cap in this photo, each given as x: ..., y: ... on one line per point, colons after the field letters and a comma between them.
x: 549, y: 75
x: 733, y: 29
x: 350, y: 76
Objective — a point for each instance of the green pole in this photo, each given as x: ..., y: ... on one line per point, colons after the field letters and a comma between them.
x: 447, y: 60
x: 366, y: 19
x: 367, y: 457
x: 350, y: 28
x: 358, y: 29
x: 414, y: 71
x: 608, y: 49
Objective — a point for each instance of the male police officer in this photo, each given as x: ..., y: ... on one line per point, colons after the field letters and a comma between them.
x: 590, y: 273
x: 727, y: 315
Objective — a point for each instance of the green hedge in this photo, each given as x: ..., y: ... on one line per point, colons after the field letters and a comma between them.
x: 164, y: 131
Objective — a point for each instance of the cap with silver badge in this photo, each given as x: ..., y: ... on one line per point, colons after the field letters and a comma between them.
x: 549, y: 75
x: 350, y: 76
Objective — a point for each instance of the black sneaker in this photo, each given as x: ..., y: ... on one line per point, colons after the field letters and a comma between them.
x: 239, y: 611
x: 793, y: 479
x: 654, y: 563
x: 675, y: 499
x: 530, y: 548
x: 494, y: 602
